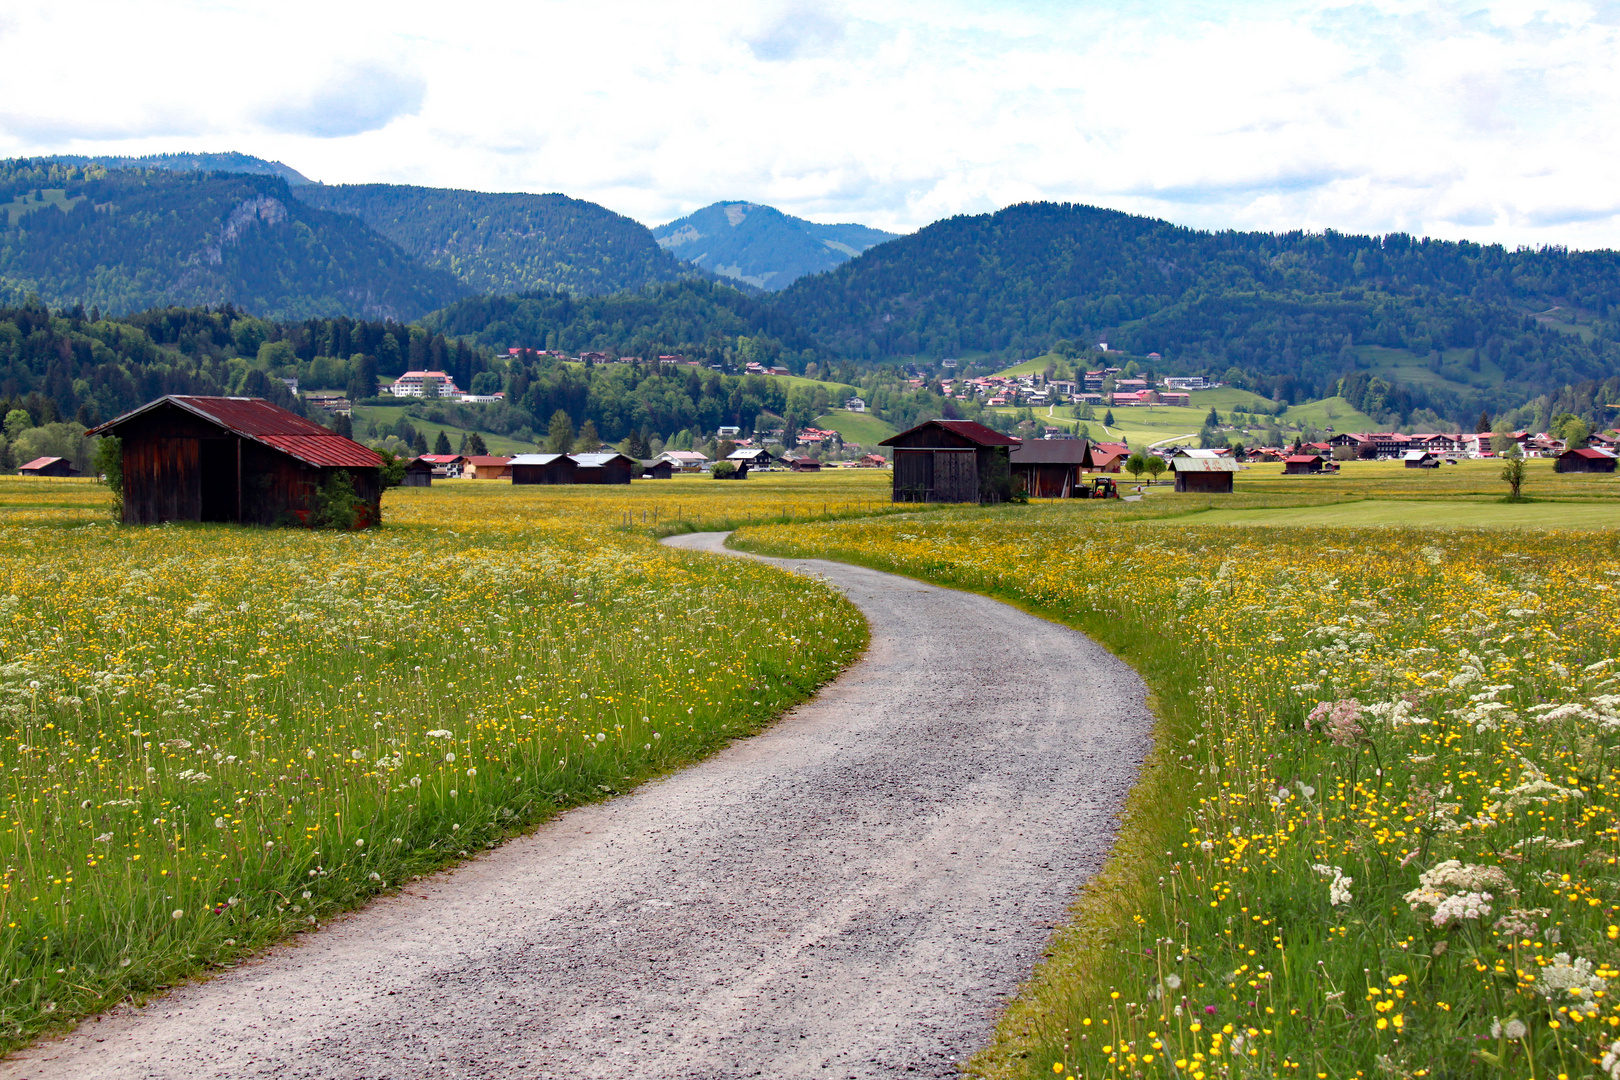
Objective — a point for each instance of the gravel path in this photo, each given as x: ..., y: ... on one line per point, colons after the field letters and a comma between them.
x: 852, y: 893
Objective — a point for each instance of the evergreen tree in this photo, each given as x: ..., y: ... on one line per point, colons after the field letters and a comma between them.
x: 441, y: 445
x: 589, y: 441
x: 1484, y: 424
x: 560, y: 435
x: 1108, y: 418
x: 419, y: 444
x: 475, y: 445
x: 1213, y: 419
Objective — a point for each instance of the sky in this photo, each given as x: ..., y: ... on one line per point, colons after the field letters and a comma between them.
x: 1488, y: 121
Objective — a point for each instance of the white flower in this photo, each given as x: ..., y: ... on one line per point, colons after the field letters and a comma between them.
x: 450, y: 757
x: 1173, y: 981
x: 179, y: 913
x: 1515, y: 1029
x: 220, y: 823
x: 600, y: 737
x: 1611, y: 1060
x: 1573, y: 977
x: 356, y: 755
x: 438, y: 733
x: 1469, y: 905
x: 472, y: 772
x: 1339, y: 887
x: 361, y: 842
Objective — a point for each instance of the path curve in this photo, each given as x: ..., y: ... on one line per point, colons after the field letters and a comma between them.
x: 852, y: 893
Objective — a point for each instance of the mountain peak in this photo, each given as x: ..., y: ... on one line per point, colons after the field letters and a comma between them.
x: 760, y: 245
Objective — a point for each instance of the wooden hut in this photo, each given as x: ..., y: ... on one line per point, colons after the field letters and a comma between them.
x: 657, y: 469
x: 606, y: 468
x: 1420, y: 459
x: 951, y: 461
x: 1049, y: 468
x: 1204, y: 474
x: 487, y: 467
x: 544, y: 469
x: 245, y: 460
x: 805, y: 464
x: 1588, y: 460
x: 48, y: 466
x: 1302, y: 465
x: 418, y: 473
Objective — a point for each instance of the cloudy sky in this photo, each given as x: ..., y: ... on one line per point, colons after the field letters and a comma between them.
x: 1493, y: 121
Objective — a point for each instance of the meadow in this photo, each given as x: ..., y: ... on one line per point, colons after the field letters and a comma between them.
x: 217, y: 736
x: 1377, y: 836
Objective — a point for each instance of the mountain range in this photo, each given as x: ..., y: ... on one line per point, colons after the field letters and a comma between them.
x: 762, y: 246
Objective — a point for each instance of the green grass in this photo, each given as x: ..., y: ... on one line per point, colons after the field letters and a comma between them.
x: 1424, y: 514
x: 25, y: 204
x: 224, y: 735
x: 1333, y: 412
x: 388, y: 415
x: 864, y: 428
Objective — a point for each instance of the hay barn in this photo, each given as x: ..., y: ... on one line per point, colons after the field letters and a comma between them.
x: 1049, y: 468
x: 951, y: 461
x: 236, y: 459
x: 1587, y: 461
x: 48, y: 466
x: 1207, y: 475
x: 613, y: 468
x: 544, y: 469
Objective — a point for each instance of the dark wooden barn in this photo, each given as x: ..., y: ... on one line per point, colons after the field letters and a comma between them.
x: 1302, y: 465
x: 951, y: 461
x: 656, y: 469
x: 235, y: 459
x: 544, y: 469
x: 1587, y: 460
x: 1049, y: 468
x: 48, y: 466
x: 1420, y: 459
x: 1204, y: 475
x: 418, y: 473
x: 612, y: 468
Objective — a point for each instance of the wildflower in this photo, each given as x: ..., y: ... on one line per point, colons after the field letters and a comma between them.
x: 178, y: 913
x: 1572, y: 977
x: 1339, y: 887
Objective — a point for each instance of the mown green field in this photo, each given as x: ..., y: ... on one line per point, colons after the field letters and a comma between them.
x: 864, y: 428
x: 386, y: 416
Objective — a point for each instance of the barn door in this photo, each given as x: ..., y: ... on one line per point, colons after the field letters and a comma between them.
x: 956, y: 476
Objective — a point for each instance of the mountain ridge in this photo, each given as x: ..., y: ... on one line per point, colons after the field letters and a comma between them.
x: 760, y: 245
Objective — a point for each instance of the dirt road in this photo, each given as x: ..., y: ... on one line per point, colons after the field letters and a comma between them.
x: 850, y: 894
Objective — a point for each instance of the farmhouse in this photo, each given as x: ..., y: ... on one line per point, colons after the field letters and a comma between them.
x: 1302, y: 465
x: 1049, y: 468
x: 543, y: 469
x: 609, y: 468
x: 755, y: 457
x: 487, y: 467
x: 685, y: 460
x: 951, y: 461
x: 189, y: 458
x: 1204, y: 474
x: 1589, y: 461
x: 445, y: 466
x: 48, y: 466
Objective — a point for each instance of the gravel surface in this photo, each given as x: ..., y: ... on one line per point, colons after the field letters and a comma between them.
x: 852, y: 893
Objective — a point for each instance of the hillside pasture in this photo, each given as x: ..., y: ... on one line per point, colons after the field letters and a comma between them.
x: 868, y: 429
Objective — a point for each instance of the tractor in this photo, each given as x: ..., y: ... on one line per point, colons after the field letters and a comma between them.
x: 1101, y: 488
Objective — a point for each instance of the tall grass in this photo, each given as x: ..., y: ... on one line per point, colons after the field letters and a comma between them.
x: 214, y: 736
x: 1377, y: 834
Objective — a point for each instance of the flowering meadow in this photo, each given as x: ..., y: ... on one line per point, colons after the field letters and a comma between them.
x: 215, y: 736
x: 1377, y: 836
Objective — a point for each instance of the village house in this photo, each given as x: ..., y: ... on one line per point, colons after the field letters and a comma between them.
x: 445, y: 466
x: 684, y: 460
x: 415, y: 383
x: 754, y: 457
x: 244, y: 460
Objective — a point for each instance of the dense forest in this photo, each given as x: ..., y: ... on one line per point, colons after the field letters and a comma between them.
x: 508, y: 243
x: 1287, y: 309
x: 128, y: 239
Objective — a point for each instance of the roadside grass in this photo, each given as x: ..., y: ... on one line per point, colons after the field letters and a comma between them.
x: 1415, y: 878
x: 1428, y: 515
x: 218, y: 736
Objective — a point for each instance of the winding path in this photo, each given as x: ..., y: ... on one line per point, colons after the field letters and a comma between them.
x: 852, y: 893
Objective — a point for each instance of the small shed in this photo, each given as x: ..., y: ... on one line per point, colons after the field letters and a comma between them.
x: 1302, y: 465
x: 190, y: 458
x: 418, y: 473
x: 48, y: 466
x: 487, y: 467
x: 1420, y: 459
x: 1589, y: 460
x: 951, y: 461
x: 608, y: 468
x: 657, y: 469
x: 805, y: 464
x: 543, y: 469
x: 1049, y: 468
x: 1211, y: 475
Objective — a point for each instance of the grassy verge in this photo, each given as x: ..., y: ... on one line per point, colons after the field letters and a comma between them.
x: 1376, y: 836
x: 218, y: 736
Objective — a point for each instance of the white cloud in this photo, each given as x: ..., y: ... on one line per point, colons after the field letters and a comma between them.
x: 1453, y: 120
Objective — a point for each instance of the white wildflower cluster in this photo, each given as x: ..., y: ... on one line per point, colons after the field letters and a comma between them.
x: 1455, y: 891
x: 1513, y: 1029
x: 1339, y: 887
x: 1570, y: 977
x: 1397, y: 713
x: 1611, y: 1060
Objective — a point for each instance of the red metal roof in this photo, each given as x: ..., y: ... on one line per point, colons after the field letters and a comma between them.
x: 488, y: 460
x: 39, y: 463
x: 1298, y: 459
x: 271, y: 425
x: 440, y: 459
x: 1595, y: 455
x: 968, y: 429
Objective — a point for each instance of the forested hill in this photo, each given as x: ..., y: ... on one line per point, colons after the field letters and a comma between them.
x: 761, y: 245
x: 508, y: 243
x: 1292, y: 306
x: 229, y: 161
x: 127, y: 239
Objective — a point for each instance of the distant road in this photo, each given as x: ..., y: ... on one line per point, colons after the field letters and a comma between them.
x: 853, y: 893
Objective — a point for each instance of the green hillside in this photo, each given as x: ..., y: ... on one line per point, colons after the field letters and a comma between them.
x: 508, y: 243
x: 853, y: 427
x: 227, y: 162
x: 762, y: 246
x: 126, y: 239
